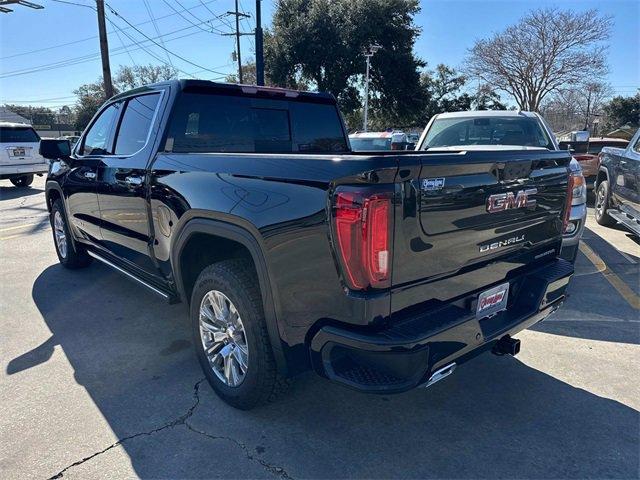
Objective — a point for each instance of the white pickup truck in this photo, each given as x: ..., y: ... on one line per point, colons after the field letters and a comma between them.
x: 501, y: 130
x: 19, y: 156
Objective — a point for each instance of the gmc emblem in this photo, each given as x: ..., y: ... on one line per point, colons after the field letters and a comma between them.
x: 506, y: 201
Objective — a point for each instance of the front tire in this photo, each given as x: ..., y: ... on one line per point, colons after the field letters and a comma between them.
x: 602, y: 205
x: 22, y: 181
x: 71, y: 254
x: 230, y: 335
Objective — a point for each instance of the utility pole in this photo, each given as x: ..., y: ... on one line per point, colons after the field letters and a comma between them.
x: 368, y: 53
x: 104, y: 50
x: 238, y: 43
x: 238, y: 34
x: 259, y: 46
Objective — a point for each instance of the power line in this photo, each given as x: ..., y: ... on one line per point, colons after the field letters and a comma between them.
x: 247, y: 24
x: 76, y: 4
x: 74, y: 42
x: 155, y: 26
x: 144, y: 48
x: 157, y: 44
x: 40, y: 100
x: 178, y: 12
x: 92, y: 56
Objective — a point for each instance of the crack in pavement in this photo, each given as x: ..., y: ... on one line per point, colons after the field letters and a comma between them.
x: 182, y: 420
x: 178, y: 421
x: 274, y: 469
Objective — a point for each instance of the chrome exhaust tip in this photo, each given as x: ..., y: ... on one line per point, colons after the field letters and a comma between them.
x: 440, y: 374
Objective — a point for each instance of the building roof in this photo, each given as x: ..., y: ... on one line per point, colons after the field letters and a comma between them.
x: 13, y: 124
x: 7, y: 115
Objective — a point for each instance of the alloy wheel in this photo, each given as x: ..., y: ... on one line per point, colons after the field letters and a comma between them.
x: 59, y: 233
x: 601, y: 201
x: 223, y: 338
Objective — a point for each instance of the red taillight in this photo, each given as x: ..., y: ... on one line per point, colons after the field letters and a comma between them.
x: 363, y: 226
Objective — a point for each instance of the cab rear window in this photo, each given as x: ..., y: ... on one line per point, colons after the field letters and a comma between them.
x: 18, y: 135
x: 218, y: 123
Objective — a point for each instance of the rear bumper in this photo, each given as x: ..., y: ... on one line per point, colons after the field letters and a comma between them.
x: 8, y: 171
x: 406, y: 354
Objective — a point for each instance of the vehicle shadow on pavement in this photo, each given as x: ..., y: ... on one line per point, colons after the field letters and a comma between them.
x: 10, y: 193
x: 594, y: 309
x: 495, y: 417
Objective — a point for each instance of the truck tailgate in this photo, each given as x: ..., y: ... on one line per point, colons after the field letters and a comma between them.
x: 462, y: 211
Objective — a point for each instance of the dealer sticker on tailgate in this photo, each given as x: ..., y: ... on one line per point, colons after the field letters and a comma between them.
x: 492, y: 301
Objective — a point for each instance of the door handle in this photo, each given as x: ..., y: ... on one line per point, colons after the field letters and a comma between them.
x: 90, y: 175
x: 133, y: 181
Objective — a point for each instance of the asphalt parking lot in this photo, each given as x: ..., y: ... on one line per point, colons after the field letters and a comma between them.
x: 99, y: 380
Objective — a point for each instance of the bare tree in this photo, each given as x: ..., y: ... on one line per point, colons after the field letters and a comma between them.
x: 577, y: 106
x: 544, y: 51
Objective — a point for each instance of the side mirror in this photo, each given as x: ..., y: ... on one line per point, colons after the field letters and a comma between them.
x: 54, y: 149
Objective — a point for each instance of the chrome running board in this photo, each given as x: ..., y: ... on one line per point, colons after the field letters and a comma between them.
x: 130, y: 275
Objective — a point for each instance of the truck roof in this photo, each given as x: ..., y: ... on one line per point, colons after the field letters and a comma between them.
x: 371, y: 134
x: 207, y: 86
x: 487, y: 113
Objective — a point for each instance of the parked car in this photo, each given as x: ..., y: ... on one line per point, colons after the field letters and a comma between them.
x: 618, y: 186
x: 380, y: 271
x: 499, y: 130
x: 73, y: 139
x: 19, y: 157
x: 586, y: 153
x: 374, y: 141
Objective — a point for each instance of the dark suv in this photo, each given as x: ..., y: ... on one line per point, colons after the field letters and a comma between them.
x: 379, y: 270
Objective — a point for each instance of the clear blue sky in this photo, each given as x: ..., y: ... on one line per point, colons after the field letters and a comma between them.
x: 46, y: 54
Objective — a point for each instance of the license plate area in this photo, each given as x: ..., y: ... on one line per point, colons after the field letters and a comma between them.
x: 19, y: 152
x: 492, y: 301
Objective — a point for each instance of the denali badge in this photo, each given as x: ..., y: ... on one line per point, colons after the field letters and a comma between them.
x: 502, y: 243
x: 507, y: 201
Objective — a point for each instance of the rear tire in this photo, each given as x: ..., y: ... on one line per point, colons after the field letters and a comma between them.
x: 240, y: 338
x: 71, y: 254
x: 602, y: 205
x: 22, y: 181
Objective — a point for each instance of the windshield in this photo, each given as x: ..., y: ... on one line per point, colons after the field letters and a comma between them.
x: 520, y: 131
x: 18, y: 135
x: 368, y: 144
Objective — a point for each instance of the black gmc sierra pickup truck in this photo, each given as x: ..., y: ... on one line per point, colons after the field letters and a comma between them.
x: 382, y: 271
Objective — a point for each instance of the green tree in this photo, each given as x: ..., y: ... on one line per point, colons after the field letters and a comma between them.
x: 248, y: 75
x: 36, y: 115
x: 91, y: 95
x: 128, y: 77
x: 319, y: 44
x: 622, y: 111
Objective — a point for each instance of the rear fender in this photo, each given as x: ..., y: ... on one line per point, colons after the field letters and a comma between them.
x: 244, y: 237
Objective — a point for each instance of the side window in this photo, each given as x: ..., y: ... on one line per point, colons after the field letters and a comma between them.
x: 636, y: 146
x: 136, y: 123
x: 97, y: 138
